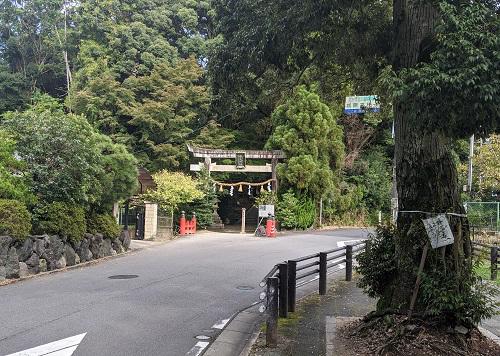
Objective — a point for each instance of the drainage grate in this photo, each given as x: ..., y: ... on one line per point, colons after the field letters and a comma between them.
x: 245, y: 288
x: 123, y: 276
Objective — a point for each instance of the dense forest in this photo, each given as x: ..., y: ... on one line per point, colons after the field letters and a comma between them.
x: 146, y: 77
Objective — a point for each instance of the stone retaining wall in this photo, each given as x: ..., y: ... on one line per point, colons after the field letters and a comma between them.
x: 46, y: 253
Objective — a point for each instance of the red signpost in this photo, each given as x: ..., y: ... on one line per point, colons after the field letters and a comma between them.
x: 271, y: 227
x: 187, y: 227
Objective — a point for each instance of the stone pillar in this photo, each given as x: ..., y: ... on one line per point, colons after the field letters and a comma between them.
x: 150, y: 220
x: 208, y: 162
x: 243, y: 220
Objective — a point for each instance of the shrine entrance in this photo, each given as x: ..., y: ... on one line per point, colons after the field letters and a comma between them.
x: 239, y: 178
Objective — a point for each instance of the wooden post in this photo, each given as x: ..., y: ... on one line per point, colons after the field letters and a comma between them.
x: 272, y: 312
x: 283, y: 294
x: 274, y: 184
x: 322, y: 272
x: 243, y: 220
x: 493, y: 262
x: 417, y: 282
x: 127, y: 205
x: 292, y: 285
x: 348, y: 263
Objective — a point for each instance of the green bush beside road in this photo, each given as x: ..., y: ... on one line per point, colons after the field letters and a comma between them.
x: 15, y: 220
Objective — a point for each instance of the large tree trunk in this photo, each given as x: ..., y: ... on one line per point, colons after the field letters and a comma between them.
x: 425, y: 172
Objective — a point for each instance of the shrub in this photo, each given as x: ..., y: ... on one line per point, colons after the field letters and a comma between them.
x: 66, y: 158
x: 266, y: 198
x: 15, y: 220
x: 286, y: 210
x: 204, y: 206
x: 173, y: 189
x: 475, y: 302
x: 293, y: 212
x: 377, y: 263
x: 306, y: 213
x: 14, y: 183
x: 61, y: 219
x: 104, y: 224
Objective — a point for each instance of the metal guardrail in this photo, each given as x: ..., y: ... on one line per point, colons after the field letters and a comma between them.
x: 479, y: 249
x: 283, y: 280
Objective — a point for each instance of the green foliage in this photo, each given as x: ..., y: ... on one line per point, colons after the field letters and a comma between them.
x: 157, y: 29
x: 32, y: 39
x: 58, y: 150
x: 139, y: 78
x: 312, y: 141
x: 377, y: 263
x: 367, y: 187
x: 376, y: 181
x: 13, y: 180
x: 15, y: 220
x: 173, y: 189
x: 266, y: 198
x: 154, y: 113
x: 475, y: 302
x: 13, y: 91
x: 306, y: 213
x: 61, y: 218
x: 286, y: 210
x: 66, y: 159
x: 214, y: 136
x: 461, y: 77
x: 439, y: 292
x: 350, y: 197
x: 256, y: 61
x: 118, y: 173
x: 204, y: 206
x: 487, y: 164
x: 294, y: 212
x: 103, y: 223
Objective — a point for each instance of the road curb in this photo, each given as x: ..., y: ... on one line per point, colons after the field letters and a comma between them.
x: 237, y: 336
x: 489, y: 335
x: 69, y: 268
x: 130, y: 251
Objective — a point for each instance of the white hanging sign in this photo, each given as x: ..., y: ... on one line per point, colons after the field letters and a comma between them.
x: 265, y: 210
x: 439, y: 231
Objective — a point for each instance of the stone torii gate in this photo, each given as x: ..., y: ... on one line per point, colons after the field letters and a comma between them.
x: 240, y: 157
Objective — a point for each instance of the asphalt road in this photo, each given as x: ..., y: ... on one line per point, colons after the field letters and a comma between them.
x: 183, y: 288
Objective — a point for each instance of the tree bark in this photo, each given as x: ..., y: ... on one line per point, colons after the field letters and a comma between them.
x: 426, y: 175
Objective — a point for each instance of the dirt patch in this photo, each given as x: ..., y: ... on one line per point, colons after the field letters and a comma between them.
x: 396, y: 335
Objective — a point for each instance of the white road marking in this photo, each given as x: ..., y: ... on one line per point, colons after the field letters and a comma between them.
x: 340, y: 265
x: 342, y: 244
x: 220, y: 325
x: 65, y: 352
x: 346, y: 242
x: 197, y: 349
x: 64, y: 347
x: 307, y: 282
